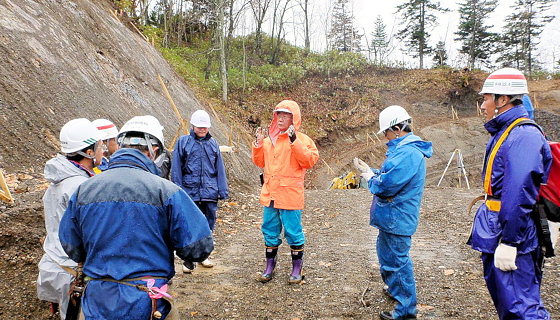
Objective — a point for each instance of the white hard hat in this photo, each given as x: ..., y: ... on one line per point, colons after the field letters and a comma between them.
x: 145, y: 124
x: 77, y: 134
x: 107, y: 127
x: 201, y: 119
x: 283, y: 110
x: 505, y: 81
x: 391, y: 116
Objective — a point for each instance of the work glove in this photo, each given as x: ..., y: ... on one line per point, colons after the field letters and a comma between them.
x: 364, y: 168
x: 504, y: 257
x: 292, y: 133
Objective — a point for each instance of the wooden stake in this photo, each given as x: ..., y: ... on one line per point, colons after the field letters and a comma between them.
x: 5, y: 192
x: 139, y: 32
x: 329, y: 167
x: 181, y: 121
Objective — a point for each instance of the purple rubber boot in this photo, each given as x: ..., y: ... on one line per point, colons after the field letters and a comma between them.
x: 297, y: 268
x: 270, y: 253
x: 266, y: 276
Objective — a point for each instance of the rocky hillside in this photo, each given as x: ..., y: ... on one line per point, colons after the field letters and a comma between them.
x: 68, y: 59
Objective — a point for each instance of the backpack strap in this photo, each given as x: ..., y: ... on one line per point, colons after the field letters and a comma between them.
x: 490, y: 163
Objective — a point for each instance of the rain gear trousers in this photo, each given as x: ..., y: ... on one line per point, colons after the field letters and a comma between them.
x: 398, y: 187
x: 520, y: 166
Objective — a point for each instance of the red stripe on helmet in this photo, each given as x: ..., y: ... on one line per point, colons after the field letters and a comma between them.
x: 106, y: 127
x: 507, y: 76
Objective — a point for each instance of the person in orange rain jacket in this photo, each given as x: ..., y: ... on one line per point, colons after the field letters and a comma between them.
x: 285, y: 155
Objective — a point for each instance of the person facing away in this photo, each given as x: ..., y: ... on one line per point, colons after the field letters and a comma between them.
x: 397, y: 186
x: 110, y: 132
x: 503, y: 230
x: 198, y: 168
x: 79, y: 142
x: 285, y: 155
x: 124, y: 226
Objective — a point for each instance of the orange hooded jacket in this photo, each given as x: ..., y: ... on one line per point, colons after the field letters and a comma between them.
x: 285, y: 163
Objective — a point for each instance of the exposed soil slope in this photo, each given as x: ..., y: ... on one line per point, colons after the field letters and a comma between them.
x: 65, y: 59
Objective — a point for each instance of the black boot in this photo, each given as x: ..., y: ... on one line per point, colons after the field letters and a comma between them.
x: 297, y: 265
x: 266, y: 276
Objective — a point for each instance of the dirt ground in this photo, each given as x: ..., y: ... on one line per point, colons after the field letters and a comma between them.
x: 342, y: 280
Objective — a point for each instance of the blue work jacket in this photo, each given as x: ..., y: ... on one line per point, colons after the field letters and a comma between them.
x: 126, y: 223
x: 197, y: 167
x: 398, y: 186
x: 520, y: 166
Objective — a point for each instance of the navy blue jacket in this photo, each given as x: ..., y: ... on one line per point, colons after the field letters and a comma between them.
x: 198, y: 168
x: 125, y: 223
x: 520, y: 166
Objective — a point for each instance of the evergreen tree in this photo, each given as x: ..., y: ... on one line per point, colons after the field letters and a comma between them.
x: 477, y: 42
x: 440, y: 55
x: 379, y: 42
x: 418, y: 17
x: 521, y: 33
x: 343, y: 37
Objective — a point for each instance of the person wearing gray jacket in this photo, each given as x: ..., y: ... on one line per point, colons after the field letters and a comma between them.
x: 79, y: 140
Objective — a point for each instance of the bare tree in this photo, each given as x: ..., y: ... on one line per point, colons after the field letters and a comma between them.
x: 259, y: 9
x: 304, y: 4
x: 278, y: 21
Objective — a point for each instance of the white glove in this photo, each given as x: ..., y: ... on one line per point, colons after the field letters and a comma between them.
x: 361, y: 165
x: 367, y: 173
x: 504, y: 257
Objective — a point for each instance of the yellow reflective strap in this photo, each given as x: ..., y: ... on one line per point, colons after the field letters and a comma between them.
x: 96, y: 170
x: 494, y: 205
x: 490, y: 163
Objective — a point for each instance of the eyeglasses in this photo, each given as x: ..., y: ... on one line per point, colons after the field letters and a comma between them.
x: 284, y: 115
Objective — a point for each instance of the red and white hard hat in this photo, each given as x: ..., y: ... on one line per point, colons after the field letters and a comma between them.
x: 201, y: 119
x: 391, y: 116
x: 77, y: 134
x: 505, y: 81
x: 107, y: 127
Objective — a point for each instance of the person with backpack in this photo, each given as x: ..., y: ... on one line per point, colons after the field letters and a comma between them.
x: 198, y: 168
x: 517, y: 162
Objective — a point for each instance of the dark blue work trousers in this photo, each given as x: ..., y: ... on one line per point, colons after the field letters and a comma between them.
x: 516, y: 294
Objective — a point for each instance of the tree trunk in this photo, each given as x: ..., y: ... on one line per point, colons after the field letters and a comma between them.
x: 220, y: 34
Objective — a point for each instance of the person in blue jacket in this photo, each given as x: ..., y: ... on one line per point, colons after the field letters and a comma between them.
x: 398, y: 186
x: 528, y: 106
x: 125, y: 225
x: 197, y: 167
x: 503, y: 230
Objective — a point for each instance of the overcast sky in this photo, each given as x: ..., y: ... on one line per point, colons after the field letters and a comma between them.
x: 366, y: 11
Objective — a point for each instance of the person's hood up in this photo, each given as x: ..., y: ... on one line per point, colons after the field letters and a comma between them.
x: 273, y: 130
x: 505, y: 119
x: 59, y: 168
x: 423, y: 146
x: 133, y: 158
